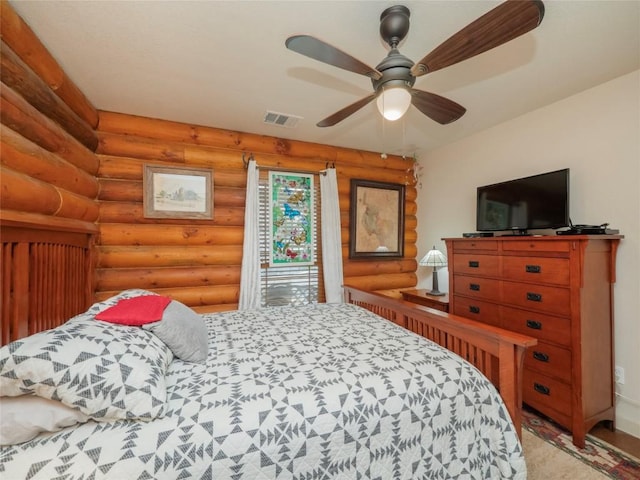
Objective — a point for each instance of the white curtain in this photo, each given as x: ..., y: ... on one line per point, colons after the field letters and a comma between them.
x: 250, y: 270
x: 331, y: 240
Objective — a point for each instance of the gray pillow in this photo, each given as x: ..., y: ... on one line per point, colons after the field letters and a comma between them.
x: 183, y: 331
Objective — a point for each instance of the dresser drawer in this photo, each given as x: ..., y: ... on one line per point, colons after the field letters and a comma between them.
x: 483, y: 288
x: 543, y: 327
x: 541, y: 390
x: 478, y: 310
x: 550, y: 360
x: 475, y: 245
x: 536, y: 269
x: 536, y: 246
x: 475, y: 264
x: 541, y: 298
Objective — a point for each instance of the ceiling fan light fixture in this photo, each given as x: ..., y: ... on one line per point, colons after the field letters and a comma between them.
x: 393, y: 102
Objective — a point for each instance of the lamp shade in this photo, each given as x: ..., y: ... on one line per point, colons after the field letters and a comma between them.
x: 433, y: 258
x: 393, y: 102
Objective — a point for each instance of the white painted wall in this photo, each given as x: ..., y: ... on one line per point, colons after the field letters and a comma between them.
x: 596, y: 134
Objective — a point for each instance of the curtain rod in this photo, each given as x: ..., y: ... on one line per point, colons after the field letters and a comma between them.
x: 245, y: 162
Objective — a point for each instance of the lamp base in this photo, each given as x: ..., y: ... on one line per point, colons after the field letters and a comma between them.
x: 436, y: 293
x: 434, y: 290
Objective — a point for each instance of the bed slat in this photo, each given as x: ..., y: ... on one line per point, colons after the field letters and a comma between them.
x: 46, y: 279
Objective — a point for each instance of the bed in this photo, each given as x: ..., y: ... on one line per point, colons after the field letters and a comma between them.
x: 325, y: 391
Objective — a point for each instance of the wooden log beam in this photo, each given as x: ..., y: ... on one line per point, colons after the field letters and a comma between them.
x: 162, y: 277
x: 130, y: 212
x: 21, y: 192
x: 146, y: 149
x: 380, y: 282
x: 77, y: 206
x: 359, y: 269
x: 128, y: 168
x: 242, y: 142
x: 17, y: 75
x: 204, y: 156
x: 19, y: 115
x: 126, y: 190
x: 151, y: 234
x: 24, y: 156
x: 167, y: 256
x: 193, y: 296
x: 118, y: 123
x: 26, y: 44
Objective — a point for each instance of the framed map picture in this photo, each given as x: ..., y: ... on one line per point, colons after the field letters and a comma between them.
x: 376, y: 219
x: 291, y: 219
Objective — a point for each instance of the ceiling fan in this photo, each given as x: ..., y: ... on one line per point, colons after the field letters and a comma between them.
x: 394, y: 77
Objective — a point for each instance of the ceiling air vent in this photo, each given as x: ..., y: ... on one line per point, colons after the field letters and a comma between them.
x: 281, y: 119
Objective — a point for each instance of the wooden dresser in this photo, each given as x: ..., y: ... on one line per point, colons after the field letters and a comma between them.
x: 559, y: 290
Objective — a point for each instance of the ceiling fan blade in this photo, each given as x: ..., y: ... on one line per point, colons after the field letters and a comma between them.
x: 507, y: 21
x: 319, y: 50
x: 438, y: 108
x: 345, y: 112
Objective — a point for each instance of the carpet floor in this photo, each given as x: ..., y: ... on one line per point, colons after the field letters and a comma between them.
x: 550, y: 454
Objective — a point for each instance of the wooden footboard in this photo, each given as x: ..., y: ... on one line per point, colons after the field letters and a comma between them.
x: 497, y: 353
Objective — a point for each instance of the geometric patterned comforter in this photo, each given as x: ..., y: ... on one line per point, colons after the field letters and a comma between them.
x: 320, y: 392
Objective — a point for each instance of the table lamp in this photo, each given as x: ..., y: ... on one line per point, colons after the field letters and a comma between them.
x: 434, y: 258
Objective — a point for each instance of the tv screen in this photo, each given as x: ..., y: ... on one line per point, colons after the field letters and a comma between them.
x: 536, y: 202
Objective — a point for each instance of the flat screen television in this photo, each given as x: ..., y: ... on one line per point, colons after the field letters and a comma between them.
x: 528, y: 203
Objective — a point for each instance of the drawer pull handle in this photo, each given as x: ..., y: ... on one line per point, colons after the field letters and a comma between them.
x: 474, y: 286
x: 474, y: 264
x: 542, y: 357
x: 474, y: 309
x: 533, y: 268
x: 534, y: 297
x: 541, y: 388
x: 534, y: 325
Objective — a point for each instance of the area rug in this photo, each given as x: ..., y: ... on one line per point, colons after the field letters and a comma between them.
x: 599, y: 455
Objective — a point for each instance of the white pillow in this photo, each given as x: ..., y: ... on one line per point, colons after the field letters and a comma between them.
x: 23, y: 418
x: 107, y: 371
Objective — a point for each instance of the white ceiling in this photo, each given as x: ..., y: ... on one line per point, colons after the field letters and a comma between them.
x: 224, y: 63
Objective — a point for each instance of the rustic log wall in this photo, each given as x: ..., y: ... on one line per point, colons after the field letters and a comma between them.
x: 52, y: 179
x: 48, y: 186
x: 47, y: 162
x: 198, y: 261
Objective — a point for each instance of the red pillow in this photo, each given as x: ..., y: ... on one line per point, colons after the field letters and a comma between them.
x: 136, y: 311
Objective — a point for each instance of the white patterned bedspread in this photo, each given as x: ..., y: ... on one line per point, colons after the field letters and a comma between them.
x: 321, y: 392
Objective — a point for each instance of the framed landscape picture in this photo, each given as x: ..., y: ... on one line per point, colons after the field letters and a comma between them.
x: 177, y: 192
x: 376, y: 219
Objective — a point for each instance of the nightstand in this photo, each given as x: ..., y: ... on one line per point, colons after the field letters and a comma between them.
x: 421, y: 297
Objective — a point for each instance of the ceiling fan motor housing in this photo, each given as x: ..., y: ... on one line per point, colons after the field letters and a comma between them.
x: 396, y: 71
x: 395, y: 68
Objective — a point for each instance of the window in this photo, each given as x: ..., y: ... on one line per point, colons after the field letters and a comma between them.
x: 295, y: 284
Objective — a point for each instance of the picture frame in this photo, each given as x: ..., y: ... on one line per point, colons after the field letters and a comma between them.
x: 184, y: 192
x: 376, y: 219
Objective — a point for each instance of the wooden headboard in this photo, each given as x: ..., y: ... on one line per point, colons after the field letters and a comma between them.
x: 46, y: 279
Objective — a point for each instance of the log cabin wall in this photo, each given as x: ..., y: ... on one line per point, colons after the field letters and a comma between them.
x: 48, y: 184
x: 198, y: 261
x: 50, y: 178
